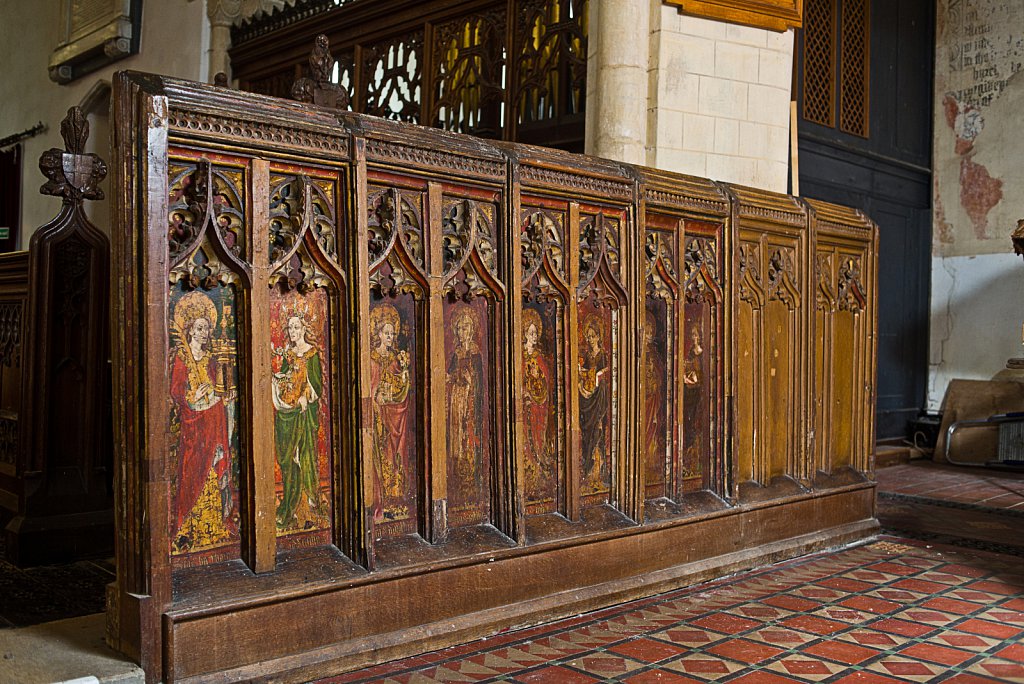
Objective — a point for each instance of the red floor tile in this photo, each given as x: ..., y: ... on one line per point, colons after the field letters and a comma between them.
x: 864, y: 677
x: 745, y: 651
x: 793, y: 603
x: 844, y: 652
x: 902, y: 627
x: 951, y: 605
x: 555, y: 675
x: 987, y: 628
x: 1012, y: 652
x: 997, y: 588
x: 761, y: 677
x: 967, y: 678
x: 648, y: 650
x: 730, y: 624
x: 871, y: 605
x: 660, y: 677
x: 1006, y: 671
x: 815, y: 625
x: 937, y: 654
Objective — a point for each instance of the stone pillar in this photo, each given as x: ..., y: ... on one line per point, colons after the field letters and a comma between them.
x: 617, y: 57
x: 222, y: 14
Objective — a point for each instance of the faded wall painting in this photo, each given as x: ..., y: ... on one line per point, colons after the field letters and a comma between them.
x: 299, y: 335
x: 394, y: 415
x: 540, y: 408
x: 595, y: 400
x: 467, y: 390
x: 204, y: 512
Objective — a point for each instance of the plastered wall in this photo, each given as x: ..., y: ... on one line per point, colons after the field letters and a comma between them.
x: 978, y: 190
x: 174, y: 42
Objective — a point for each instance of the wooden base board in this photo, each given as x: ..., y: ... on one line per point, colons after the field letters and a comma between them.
x: 375, y: 619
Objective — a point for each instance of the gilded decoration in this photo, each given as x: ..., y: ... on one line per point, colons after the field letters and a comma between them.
x: 395, y: 243
x: 204, y: 419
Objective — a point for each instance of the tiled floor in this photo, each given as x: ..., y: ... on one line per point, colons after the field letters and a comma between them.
x: 975, y: 486
x: 887, y: 611
x: 893, y: 610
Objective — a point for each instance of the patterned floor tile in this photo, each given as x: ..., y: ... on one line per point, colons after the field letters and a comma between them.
x: 778, y: 636
x: 555, y: 675
x: 1003, y: 670
x: 745, y: 651
x: 935, y: 653
x: 704, y: 667
x: 660, y: 677
x: 606, y: 665
x: 648, y: 650
x: 907, y: 669
x: 841, y: 651
x: 812, y: 670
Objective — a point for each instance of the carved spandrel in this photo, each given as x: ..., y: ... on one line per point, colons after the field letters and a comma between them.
x: 751, y: 288
x: 468, y: 249
x: 540, y: 239
x: 395, y: 244
x: 299, y: 205
x: 852, y: 296
x: 701, y: 268
x: 8, y: 439
x: 825, y: 295
x: 202, y: 195
x: 782, y: 280
x: 660, y: 266
x: 598, y: 255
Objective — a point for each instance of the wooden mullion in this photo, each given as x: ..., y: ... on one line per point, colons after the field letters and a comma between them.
x: 679, y: 388
x: 258, y: 528
x: 572, y: 399
x: 516, y: 434
x: 437, y: 469
x: 362, y: 412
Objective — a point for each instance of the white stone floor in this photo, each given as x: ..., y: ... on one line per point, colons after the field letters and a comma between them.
x: 64, y: 651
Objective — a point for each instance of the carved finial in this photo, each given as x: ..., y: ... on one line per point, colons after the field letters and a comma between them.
x: 319, y: 89
x: 73, y: 175
x: 220, y: 79
x: 75, y: 130
x: 321, y: 63
x: 1018, y: 238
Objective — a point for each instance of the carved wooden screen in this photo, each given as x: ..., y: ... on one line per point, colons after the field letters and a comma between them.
x: 844, y: 279
x: 506, y: 69
x: 575, y: 316
x: 361, y: 363
x: 684, y: 349
x: 770, y: 321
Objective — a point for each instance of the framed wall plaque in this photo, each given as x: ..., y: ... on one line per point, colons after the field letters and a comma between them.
x: 94, y: 33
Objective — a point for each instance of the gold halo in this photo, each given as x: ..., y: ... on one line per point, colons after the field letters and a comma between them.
x: 192, y: 306
x: 382, y: 314
x: 531, y: 317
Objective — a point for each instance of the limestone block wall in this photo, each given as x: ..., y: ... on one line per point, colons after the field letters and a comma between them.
x: 718, y: 99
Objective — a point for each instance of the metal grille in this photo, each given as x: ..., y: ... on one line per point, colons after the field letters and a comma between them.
x: 853, y: 104
x: 1011, y: 441
x: 819, y: 85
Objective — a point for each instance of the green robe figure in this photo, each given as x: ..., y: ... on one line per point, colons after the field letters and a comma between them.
x: 297, y: 389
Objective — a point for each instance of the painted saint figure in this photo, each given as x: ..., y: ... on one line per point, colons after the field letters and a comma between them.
x: 536, y: 402
x: 654, y: 402
x: 390, y: 383
x: 203, y: 501
x: 296, y: 391
x: 693, y: 403
x: 465, y: 400
x: 594, y: 397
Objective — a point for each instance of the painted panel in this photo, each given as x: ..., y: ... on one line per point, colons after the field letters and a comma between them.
x: 598, y: 347
x: 698, y: 378
x: 301, y: 394
x: 468, y: 393
x: 543, y: 379
x: 204, y: 425
x: 659, y: 391
x: 394, y: 415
